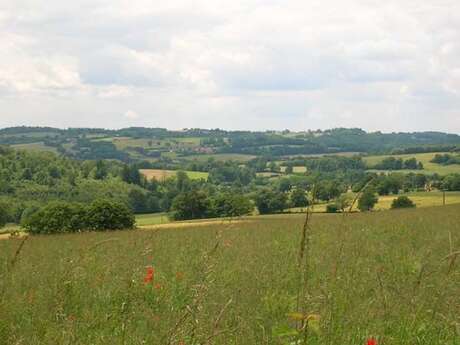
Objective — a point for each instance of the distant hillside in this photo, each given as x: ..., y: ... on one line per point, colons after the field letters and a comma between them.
x: 154, y: 144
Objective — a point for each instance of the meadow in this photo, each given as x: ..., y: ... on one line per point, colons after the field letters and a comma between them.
x: 160, y: 174
x: 390, y: 275
x: 425, y: 158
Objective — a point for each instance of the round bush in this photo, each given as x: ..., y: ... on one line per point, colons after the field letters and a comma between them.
x: 402, y: 202
x: 109, y: 215
x: 57, y: 217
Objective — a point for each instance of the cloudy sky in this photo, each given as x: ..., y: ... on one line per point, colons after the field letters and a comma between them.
x: 237, y: 64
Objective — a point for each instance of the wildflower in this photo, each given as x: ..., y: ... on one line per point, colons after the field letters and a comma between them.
x: 149, y: 275
x: 179, y: 275
x: 157, y: 286
x: 371, y: 341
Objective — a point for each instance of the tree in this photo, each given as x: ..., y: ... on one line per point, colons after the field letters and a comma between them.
x: 3, y: 216
x: 100, y: 171
x: 402, y: 202
x: 343, y: 202
x: 327, y: 190
x: 56, y: 217
x: 367, y: 200
x: 193, y: 204
x: 269, y: 201
x: 299, y: 198
x: 289, y: 169
x: 109, y: 215
x: 231, y: 205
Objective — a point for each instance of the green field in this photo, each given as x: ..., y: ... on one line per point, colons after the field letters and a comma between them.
x: 221, y: 157
x: 39, y: 146
x: 388, y: 275
x: 152, y: 219
x: 425, y: 158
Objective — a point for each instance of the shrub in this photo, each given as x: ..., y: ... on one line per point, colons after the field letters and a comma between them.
x: 194, y: 204
x: 63, y: 217
x: 332, y: 208
x: 231, y: 205
x: 108, y: 215
x: 367, y: 200
x: 402, y: 202
x: 57, y: 217
x: 269, y: 201
x: 299, y: 198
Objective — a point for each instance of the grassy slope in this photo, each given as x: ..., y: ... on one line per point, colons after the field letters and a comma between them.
x: 39, y: 146
x: 425, y: 158
x: 381, y: 274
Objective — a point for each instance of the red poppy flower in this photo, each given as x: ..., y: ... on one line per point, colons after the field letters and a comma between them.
x: 149, y: 275
x: 371, y: 341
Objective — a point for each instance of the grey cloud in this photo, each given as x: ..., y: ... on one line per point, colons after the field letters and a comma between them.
x: 237, y: 64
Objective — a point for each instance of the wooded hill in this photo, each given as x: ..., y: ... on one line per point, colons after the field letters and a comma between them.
x: 153, y: 144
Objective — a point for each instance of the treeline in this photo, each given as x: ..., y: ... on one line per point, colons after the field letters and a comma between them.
x: 446, y: 159
x: 85, y: 143
x: 392, y: 163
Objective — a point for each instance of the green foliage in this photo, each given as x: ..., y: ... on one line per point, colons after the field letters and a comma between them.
x: 269, y: 201
x: 108, y: 215
x: 57, y: 217
x: 402, y: 202
x: 446, y: 159
x: 3, y: 215
x: 62, y: 217
x: 343, y: 202
x: 299, y: 198
x: 327, y: 190
x: 231, y: 204
x: 193, y: 204
x: 367, y: 200
x: 392, y: 163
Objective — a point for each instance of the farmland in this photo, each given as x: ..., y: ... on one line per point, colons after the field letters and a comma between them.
x: 425, y: 158
x: 160, y: 174
x: 390, y: 275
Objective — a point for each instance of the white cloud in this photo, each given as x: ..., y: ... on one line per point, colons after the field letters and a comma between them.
x: 255, y: 64
x: 131, y: 115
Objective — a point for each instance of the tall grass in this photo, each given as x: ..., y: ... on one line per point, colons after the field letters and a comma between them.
x: 390, y: 275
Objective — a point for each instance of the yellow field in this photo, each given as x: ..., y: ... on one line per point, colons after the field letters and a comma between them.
x: 425, y: 158
x: 160, y: 175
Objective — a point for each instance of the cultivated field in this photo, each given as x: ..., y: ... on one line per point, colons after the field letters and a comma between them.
x: 425, y: 158
x: 159, y: 174
x: 391, y: 275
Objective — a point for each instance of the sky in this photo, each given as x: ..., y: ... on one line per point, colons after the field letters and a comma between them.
x: 237, y: 64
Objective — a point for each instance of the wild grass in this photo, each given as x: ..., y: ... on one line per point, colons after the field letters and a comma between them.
x: 391, y: 275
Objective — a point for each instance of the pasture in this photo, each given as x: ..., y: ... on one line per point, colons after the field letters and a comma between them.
x: 390, y: 275
x: 221, y: 157
x: 38, y: 146
x: 425, y: 158
x: 160, y: 175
